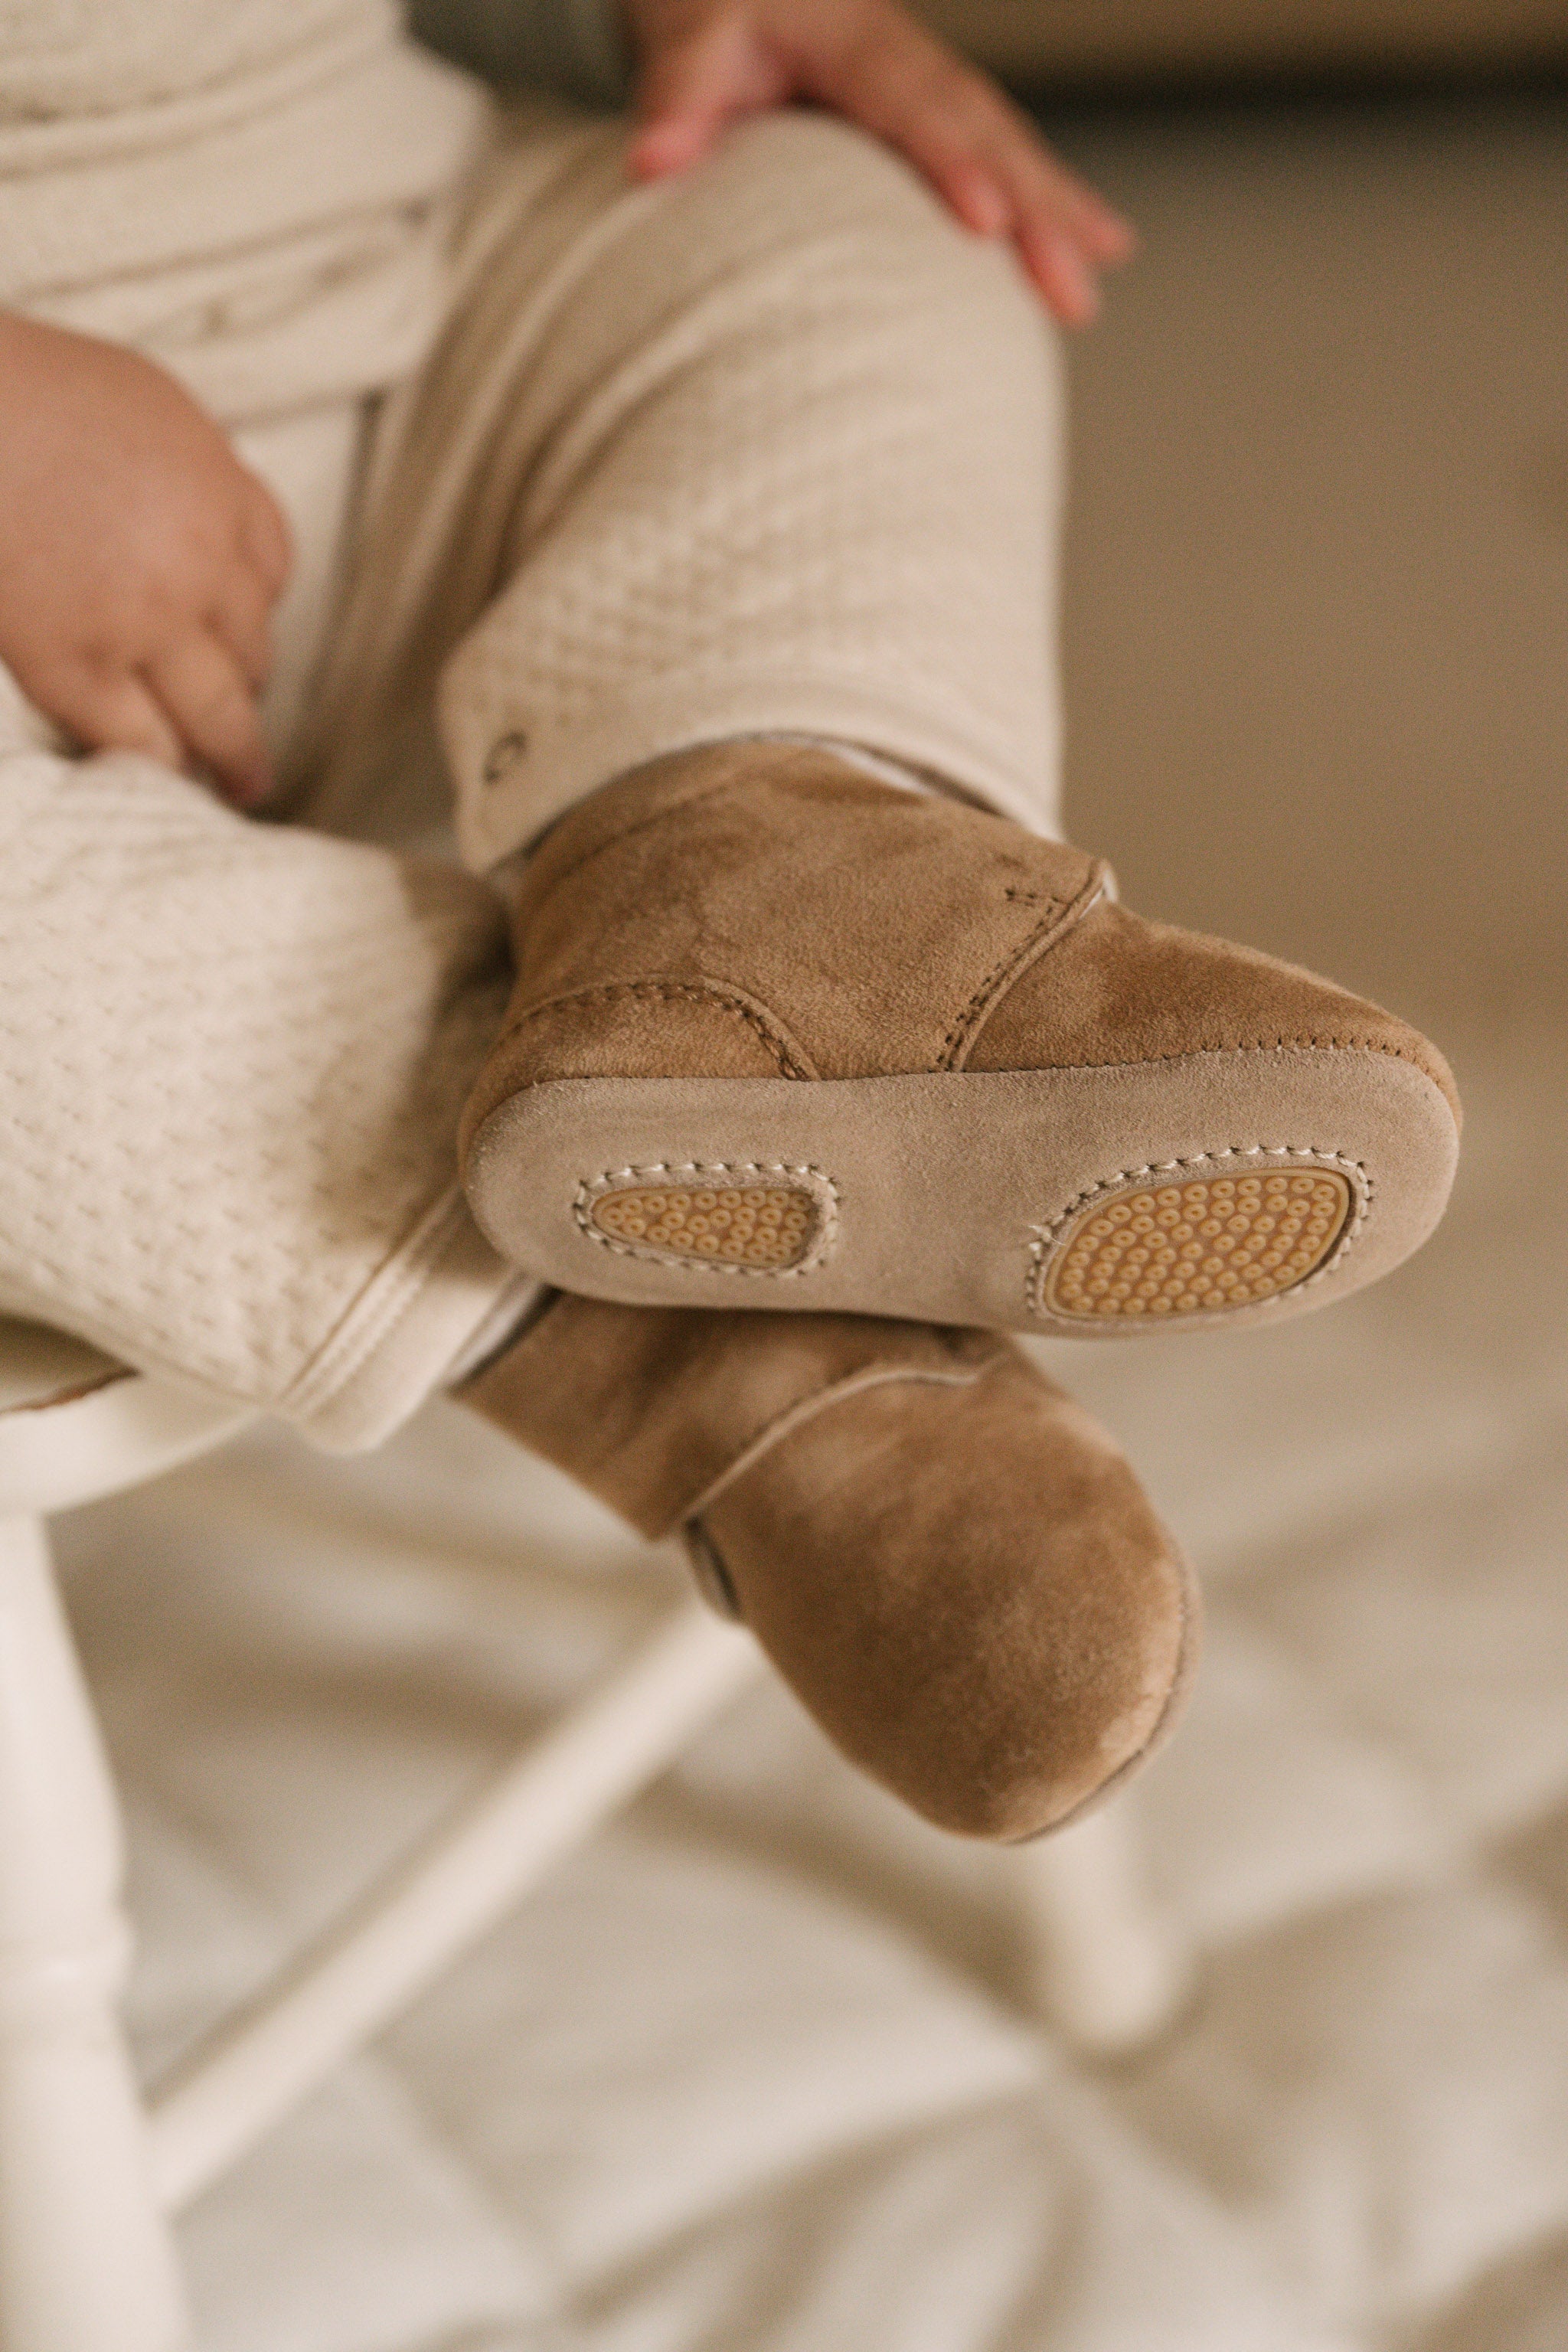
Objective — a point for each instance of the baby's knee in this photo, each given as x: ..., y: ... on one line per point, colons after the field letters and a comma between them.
x: 822, y: 171
x: 836, y: 202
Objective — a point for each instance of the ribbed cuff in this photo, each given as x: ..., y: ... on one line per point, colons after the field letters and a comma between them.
x: 444, y: 1289
x: 516, y: 775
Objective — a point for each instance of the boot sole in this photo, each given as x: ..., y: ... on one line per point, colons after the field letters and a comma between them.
x: 1090, y: 1203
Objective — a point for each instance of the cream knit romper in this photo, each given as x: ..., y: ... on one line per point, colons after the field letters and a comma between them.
x: 580, y: 473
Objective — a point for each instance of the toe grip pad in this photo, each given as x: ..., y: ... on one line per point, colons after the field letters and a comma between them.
x: 1178, y: 1242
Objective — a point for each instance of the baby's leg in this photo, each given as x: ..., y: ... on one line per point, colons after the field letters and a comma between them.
x: 771, y: 447
x: 771, y: 450
x: 231, y: 1062
x: 234, y: 1056
x: 740, y: 480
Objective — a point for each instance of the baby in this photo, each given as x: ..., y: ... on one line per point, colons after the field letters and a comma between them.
x: 681, y: 500
x: 140, y: 560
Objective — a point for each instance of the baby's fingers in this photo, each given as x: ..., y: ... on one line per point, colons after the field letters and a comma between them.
x: 1067, y: 282
x: 207, y: 696
x: 1065, y: 238
x: 692, y: 87
x: 105, y: 713
x: 1065, y: 234
x: 990, y: 165
x: 265, y: 543
x: 241, y: 617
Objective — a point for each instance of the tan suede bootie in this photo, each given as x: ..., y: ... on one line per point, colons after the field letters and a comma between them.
x: 948, y: 1560
x: 786, y: 1035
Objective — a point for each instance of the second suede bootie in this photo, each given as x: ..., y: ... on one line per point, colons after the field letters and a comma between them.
x: 786, y: 1037
x: 950, y: 1561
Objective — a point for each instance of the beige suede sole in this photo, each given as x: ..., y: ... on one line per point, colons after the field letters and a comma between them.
x: 1110, y: 1202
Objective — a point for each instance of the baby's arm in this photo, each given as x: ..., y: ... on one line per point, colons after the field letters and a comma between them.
x: 138, y: 560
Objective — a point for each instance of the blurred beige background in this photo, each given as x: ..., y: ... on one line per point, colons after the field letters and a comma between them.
x: 756, y: 2074
x: 1083, y: 41
x: 1317, y: 565
x: 1319, y: 552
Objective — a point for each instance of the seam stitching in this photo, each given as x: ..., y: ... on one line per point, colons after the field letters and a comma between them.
x: 671, y: 991
x: 1047, y: 1236
x: 1036, y: 943
x: 1259, y: 1046
x: 805, y: 1409
x: 821, y: 1187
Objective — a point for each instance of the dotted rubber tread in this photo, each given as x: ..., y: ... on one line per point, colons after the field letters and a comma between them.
x: 1198, y: 1246
x: 764, y: 1225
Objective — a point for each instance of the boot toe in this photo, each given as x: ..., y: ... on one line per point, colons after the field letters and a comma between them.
x: 971, y: 1593
x: 1121, y: 989
x: 1290, y: 1142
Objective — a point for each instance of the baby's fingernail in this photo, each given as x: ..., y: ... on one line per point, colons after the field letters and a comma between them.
x: 667, y: 145
x: 1068, y: 284
x: 986, y: 209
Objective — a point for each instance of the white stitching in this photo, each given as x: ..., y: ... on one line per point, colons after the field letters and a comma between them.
x: 815, y: 1182
x: 1045, y: 1237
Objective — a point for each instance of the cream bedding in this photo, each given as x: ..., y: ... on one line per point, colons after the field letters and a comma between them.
x: 753, y: 2072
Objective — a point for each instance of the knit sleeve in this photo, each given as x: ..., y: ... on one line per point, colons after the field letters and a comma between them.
x: 578, y: 48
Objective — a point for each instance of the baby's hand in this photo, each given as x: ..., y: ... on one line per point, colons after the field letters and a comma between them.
x: 708, y: 62
x: 138, y: 560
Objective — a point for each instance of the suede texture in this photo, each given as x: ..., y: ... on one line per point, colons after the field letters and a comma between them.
x: 650, y: 1408
x: 948, y: 1560
x: 840, y: 926
x: 756, y: 909
x: 1124, y: 989
x: 970, y: 1591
